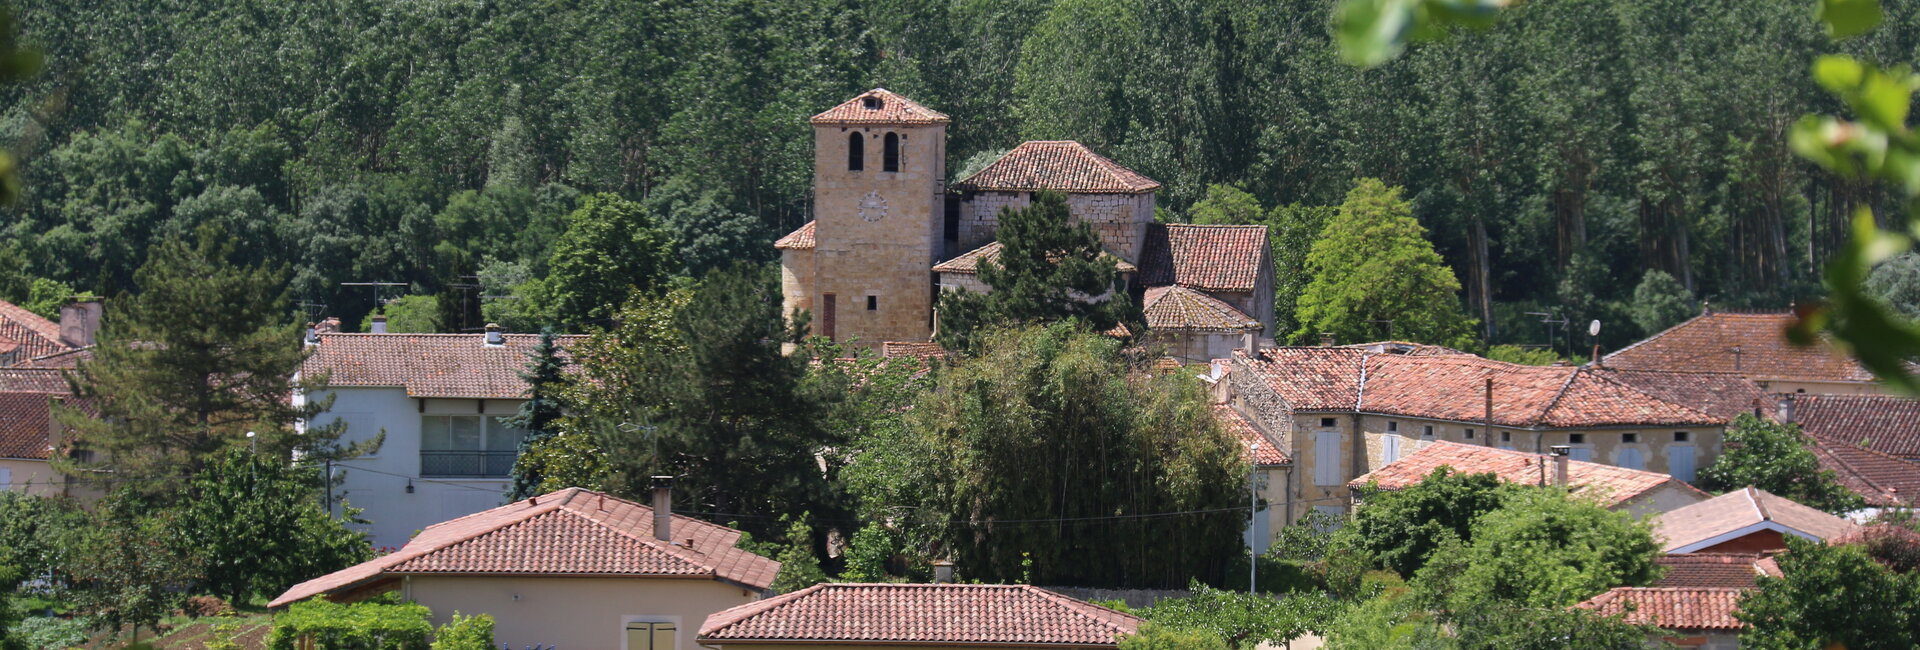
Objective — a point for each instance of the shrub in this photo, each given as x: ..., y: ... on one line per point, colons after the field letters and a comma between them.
x: 359, y: 626
x: 465, y: 633
x: 50, y: 632
x: 1154, y: 637
x: 203, y: 606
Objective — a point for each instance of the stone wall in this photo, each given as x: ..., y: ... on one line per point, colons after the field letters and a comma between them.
x: 877, y: 234
x: 1120, y: 219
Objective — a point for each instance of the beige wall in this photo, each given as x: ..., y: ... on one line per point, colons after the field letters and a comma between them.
x: 819, y: 646
x: 575, y: 613
x: 796, y: 283
x: 1821, y: 387
x: 1119, y: 219
x: 887, y: 257
x: 35, y: 477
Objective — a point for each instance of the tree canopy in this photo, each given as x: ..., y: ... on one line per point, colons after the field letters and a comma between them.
x: 1375, y: 276
x: 1049, y: 269
x: 1777, y: 458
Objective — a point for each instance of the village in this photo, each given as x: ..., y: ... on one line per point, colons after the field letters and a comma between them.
x: 1017, y: 410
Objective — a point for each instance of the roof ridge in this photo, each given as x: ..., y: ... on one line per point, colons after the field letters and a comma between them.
x: 40, y: 325
x: 762, y: 606
x: 1664, y: 332
x: 1753, y: 496
x: 1565, y: 385
x: 1075, y: 605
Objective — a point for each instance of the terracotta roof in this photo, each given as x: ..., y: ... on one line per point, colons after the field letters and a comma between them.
x: 26, y: 421
x: 1611, y: 485
x: 1723, y: 570
x: 1404, y: 347
x: 573, y: 532
x: 1752, y: 344
x: 33, y: 334
x: 63, y: 359
x: 1180, y: 308
x: 34, y: 380
x: 1720, y: 394
x: 428, y: 365
x: 944, y: 614
x: 1268, y: 454
x: 1889, y: 425
x: 1673, y: 608
x: 1208, y: 258
x: 1060, y: 165
x: 799, y: 240
x: 969, y: 262
x: 1883, y: 480
x: 890, y: 108
x: 915, y: 349
x: 1723, y: 518
x: 1453, y: 387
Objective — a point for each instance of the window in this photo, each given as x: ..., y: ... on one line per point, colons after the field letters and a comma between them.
x: 1582, y: 454
x: 1393, y: 427
x: 1576, y: 438
x: 873, y: 303
x: 1679, y: 436
x: 1326, y: 422
x: 1326, y: 458
x: 1469, y: 434
x: 642, y: 635
x: 1506, y: 436
x: 467, y: 445
x: 1427, y: 430
x: 856, y: 152
x: 952, y: 229
x: 826, y: 315
x: 1629, y: 437
x: 890, y: 153
x: 872, y: 103
x: 6, y: 479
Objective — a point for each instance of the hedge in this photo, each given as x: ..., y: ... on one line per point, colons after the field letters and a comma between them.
x: 359, y: 626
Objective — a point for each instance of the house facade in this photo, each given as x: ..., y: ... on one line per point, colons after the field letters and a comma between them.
x: 570, y: 569
x: 438, y: 402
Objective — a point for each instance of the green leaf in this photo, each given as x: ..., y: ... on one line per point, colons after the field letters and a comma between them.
x: 1847, y: 18
x: 1372, y: 31
x: 1838, y: 73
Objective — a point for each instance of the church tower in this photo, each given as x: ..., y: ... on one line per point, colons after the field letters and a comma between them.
x: 863, y: 267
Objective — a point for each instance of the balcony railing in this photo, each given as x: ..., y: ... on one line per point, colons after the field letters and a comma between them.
x: 466, y: 463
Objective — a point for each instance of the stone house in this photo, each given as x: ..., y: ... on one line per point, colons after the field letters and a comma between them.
x: 889, y: 234
x: 30, y: 340
x: 570, y: 569
x: 30, y: 438
x: 1341, y: 412
x: 918, y: 616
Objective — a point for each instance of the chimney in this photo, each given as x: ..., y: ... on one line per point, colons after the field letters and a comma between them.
x: 494, y: 337
x: 80, y: 321
x: 328, y: 326
x: 1561, y: 460
x: 379, y: 324
x: 1326, y: 339
x: 663, y: 508
x: 1786, y: 409
x: 313, y: 335
x: 943, y: 572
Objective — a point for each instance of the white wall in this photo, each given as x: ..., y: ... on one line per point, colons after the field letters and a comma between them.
x: 576, y: 613
x: 378, y: 483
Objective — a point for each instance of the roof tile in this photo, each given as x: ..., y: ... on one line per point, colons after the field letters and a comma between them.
x: 1612, y: 485
x: 1269, y: 453
x: 428, y: 365
x: 1739, y: 509
x: 31, y: 334
x: 799, y: 240
x: 1752, y: 344
x: 969, y: 262
x: 1180, y: 308
x: 1721, y: 570
x: 948, y: 614
x: 1883, y: 480
x: 885, y: 107
x: 1208, y: 258
x: 1058, y: 165
x: 1889, y: 425
x: 1673, y: 608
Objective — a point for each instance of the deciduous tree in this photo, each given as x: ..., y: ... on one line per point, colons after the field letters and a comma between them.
x: 1401, y: 528
x: 1777, y: 458
x: 260, y: 528
x: 1373, y: 264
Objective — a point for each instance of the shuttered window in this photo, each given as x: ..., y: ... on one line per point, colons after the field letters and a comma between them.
x: 1326, y: 458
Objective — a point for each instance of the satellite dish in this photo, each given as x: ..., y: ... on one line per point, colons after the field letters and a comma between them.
x: 1593, y: 328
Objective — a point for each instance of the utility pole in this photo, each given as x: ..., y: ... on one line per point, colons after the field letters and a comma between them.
x: 1253, y: 520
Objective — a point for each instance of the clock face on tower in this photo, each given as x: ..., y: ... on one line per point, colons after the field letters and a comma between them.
x: 873, y: 207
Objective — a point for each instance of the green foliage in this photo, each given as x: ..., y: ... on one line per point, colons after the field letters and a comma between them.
x: 409, y: 314
x: 1386, y: 621
x: 1374, y: 263
x: 1227, y: 205
x: 1403, y: 528
x: 867, y: 555
x: 365, y: 625
x: 1047, y: 270
x: 206, y: 352
x: 9, y: 616
x: 1831, y: 596
x: 37, y: 534
x: 1243, y: 620
x: 51, y: 632
x: 1660, y: 302
x: 260, y: 527
x: 1042, y: 408
x: 1540, y: 549
x: 1155, y: 637
x: 611, y: 248
x: 1372, y: 31
x: 43, y: 296
x: 1308, y: 538
x: 223, y: 634
x: 1896, y: 283
x: 799, y: 565
x: 465, y: 633
x: 537, y: 415
x: 705, y: 233
x: 1777, y: 458
x: 1523, y: 356
x: 125, y: 571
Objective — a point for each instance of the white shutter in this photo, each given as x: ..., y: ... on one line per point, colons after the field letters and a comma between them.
x: 6, y: 479
x: 1391, y: 448
x: 1680, y: 462
x: 1630, y: 458
x: 1326, y: 458
x: 1583, y: 454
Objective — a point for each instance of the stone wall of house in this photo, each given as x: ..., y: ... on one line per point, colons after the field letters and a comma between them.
x: 1119, y: 219
x: 796, y: 281
x: 980, y: 216
x: 963, y: 282
x: 877, y: 234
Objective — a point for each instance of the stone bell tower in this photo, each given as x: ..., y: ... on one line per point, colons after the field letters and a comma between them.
x: 879, y: 172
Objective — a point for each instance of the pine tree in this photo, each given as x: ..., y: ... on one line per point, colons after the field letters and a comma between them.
x: 206, y: 352
x: 1046, y: 271
x: 537, y: 415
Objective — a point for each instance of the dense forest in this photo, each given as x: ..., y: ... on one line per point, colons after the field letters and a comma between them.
x: 1554, y: 159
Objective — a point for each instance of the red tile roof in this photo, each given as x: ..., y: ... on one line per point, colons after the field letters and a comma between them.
x: 34, y: 380
x: 891, y: 108
x: 64, y: 359
x: 1883, y: 480
x: 1208, y: 258
x: 574, y: 532
x: 428, y: 365
x: 26, y: 421
x: 937, y: 614
x: 1059, y: 165
x: 1180, y: 308
x: 1268, y: 454
x: 1752, y: 344
x: 1611, y: 485
x: 1453, y: 387
x: 800, y: 240
x: 1404, y: 347
x: 1673, y: 608
x: 1719, y: 570
x: 969, y: 262
x: 1710, y: 522
x: 1889, y: 425
x: 1720, y: 394
x: 33, y: 334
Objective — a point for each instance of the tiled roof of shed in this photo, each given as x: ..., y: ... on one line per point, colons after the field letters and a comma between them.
x: 1673, y: 608
x: 1269, y: 453
x: 31, y: 334
x: 68, y: 358
x: 800, y: 240
x: 969, y: 262
x: 927, y: 614
x: 1208, y: 258
x: 1725, y: 570
x: 1180, y: 308
x: 1752, y: 344
x: 428, y: 365
x: 1058, y: 165
x: 1889, y: 425
x: 891, y: 109
x: 568, y: 532
x: 1738, y: 510
x: 1611, y: 485
x: 915, y: 349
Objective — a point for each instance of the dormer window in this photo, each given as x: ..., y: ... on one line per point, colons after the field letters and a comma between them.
x: 890, y: 154
x: 871, y: 103
x: 856, y: 152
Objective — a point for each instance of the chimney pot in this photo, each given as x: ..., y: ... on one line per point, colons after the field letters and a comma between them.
x: 80, y: 321
x: 1250, y: 342
x: 943, y: 572
x: 494, y: 337
x: 1326, y: 339
x: 663, y: 508
x: 379, y: 324
x: 1561, y: 459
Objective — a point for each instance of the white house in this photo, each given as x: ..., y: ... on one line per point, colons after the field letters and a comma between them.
x: 440, y: 399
